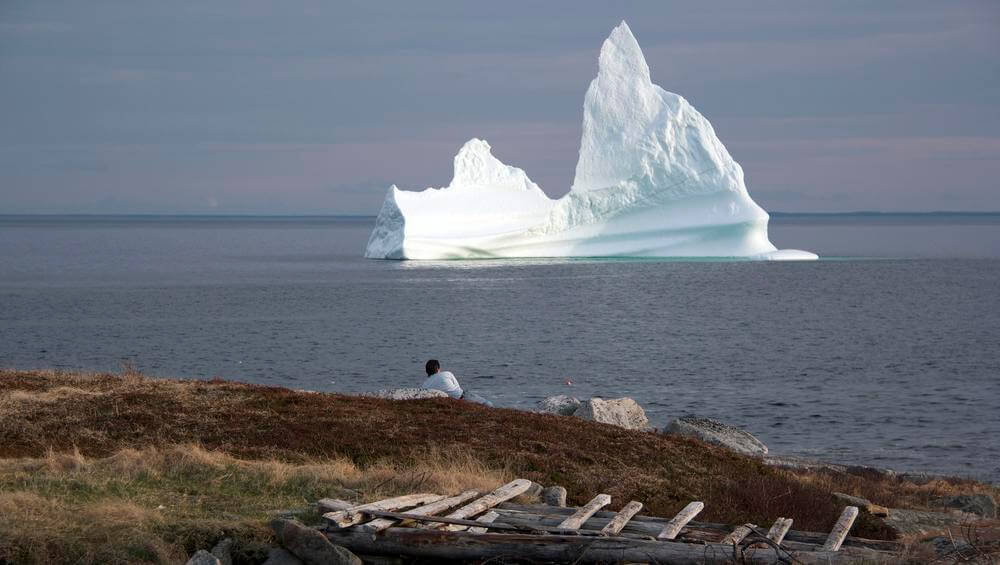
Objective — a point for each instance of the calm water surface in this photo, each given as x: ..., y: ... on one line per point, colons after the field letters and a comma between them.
x: 886, y: 352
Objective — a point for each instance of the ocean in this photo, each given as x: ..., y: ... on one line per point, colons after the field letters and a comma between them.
x: 885, y: 352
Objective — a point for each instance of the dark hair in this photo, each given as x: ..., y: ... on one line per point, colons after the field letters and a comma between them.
x: 432, y: 367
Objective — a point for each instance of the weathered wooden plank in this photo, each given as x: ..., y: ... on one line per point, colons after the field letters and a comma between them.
x: 840, y: 529
x: 615, y: 526
x: 736, y: 536
x: 508, y: 527
x: 779, y: 529
x: 584, y: 512
x: 487, y: 518
x: 325, y: 505
x: 440, y: 545
x: 425, y: 510
x: 646, y: 525
x: 353, y: 515
x: 484, y: 503
x: 674, y: 526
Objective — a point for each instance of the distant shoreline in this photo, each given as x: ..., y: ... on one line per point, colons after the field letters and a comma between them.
x: 218, y: 216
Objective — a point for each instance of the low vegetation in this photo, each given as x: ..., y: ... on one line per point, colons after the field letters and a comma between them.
x: 101, y: 468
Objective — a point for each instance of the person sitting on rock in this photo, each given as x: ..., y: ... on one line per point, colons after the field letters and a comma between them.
x: 442, y: 380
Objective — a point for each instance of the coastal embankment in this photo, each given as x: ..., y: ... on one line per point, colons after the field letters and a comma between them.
x: 102, y: 468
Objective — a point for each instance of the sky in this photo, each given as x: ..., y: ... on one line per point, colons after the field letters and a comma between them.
x: 247, y: 107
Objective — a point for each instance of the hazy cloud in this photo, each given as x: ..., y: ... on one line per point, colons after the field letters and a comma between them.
x: 316, y: 107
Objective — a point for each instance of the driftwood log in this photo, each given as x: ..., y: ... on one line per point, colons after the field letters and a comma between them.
x: 577, y: 519
x: 677, y: 523
x: 352, y: 516
x: 840, y: 529
x: 484, y: 503
x: 616, y: 524
x: 464, y: 546
x: 647, y: 527
x: 425, y: 510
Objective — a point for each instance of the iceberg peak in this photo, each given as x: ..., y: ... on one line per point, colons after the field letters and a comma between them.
x: 476, y: 167
x: 652, y: 180
x: 621, y: 56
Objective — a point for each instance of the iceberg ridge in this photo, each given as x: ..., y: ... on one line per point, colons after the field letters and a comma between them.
x: 652, y: 180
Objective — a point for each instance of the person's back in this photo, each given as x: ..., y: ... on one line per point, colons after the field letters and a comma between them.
x: 442, y: 380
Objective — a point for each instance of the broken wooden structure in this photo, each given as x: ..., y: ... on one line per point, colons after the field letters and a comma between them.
x: 469, y: 527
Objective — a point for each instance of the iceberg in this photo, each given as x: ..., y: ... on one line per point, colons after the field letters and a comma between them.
x: 652, y: 180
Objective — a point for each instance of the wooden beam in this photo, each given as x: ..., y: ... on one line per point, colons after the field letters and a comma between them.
x: 650, y: 526
x: 480, y: 505
x: 353, y: 515
x: 614, y: 527
x: 425, y: 510
x: 584, y: 512
x: 736, y: 536
x: 840, y: 529
x: 779, y: 529
x: 522, y: 528
x: 440, y: 545
x: 674, y: 526
x: 484, y: 519
x: 325, y: 505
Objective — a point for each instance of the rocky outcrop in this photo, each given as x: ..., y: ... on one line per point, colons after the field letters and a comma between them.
x: 622, y: 412
x: 805, y: 464
x: 979, y: 504
x: 310, y: 545
x: 924, y: 522
x: 561, y: 404
x: 408, y: 393
x: 717, y: 433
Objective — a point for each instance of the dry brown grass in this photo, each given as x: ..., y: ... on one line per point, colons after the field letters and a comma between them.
x: 219, y: 455
x: 161, y: 504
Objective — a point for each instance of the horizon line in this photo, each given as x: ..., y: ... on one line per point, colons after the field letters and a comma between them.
x: 341, y: 215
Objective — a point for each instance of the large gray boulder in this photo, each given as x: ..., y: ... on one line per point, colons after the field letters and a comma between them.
x: 408, y: 393
x: 622, y: 412
x: 281, y: 556
x: 223, y: 551
x: 202, y: 557
x: 310, y: 545
x: 561, y: 404
x: 981, y: 504
x: 717, y: 433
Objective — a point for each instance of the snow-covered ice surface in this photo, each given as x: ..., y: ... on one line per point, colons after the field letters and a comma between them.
x: 653, y: 180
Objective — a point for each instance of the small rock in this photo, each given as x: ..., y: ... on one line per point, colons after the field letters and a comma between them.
x: 981, y: 504
x: 202, y: 557
x: 408, y: 393
x: 223, y: 551
x: 279, y: 556
x: 561, y: 404
x: 554, y: 496
x: 310, y: 545
x: 534, y: 490
x: 717, y: 433
x: 622, y: 412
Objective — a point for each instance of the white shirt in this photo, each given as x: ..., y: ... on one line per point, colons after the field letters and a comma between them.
x: 444, y: 381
